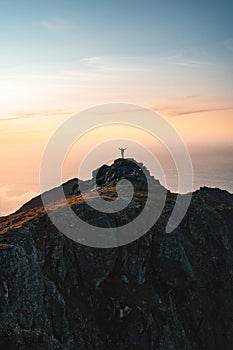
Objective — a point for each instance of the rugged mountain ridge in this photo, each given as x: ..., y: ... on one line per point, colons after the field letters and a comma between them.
x: 163, y: 291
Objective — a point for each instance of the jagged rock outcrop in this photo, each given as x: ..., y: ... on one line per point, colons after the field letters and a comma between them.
x: 163, y: 291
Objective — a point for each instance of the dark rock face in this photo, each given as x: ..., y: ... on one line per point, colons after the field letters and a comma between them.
x: 123, y: 169
x: 163, y: 291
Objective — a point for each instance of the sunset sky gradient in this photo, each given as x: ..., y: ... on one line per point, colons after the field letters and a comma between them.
x: 59, y: 57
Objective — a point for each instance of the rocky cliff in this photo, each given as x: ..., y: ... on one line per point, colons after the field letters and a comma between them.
x: 163, y: 291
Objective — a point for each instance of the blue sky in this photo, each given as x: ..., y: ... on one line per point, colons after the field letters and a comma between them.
x: 178, y: 47
x: 44, y: 33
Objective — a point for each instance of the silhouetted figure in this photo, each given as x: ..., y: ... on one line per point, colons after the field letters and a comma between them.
x: 122, y: 151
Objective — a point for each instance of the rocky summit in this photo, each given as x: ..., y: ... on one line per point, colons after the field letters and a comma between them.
x: 162, y: 291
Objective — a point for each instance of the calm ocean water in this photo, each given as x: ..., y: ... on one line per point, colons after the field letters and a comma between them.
x: 210, y: 172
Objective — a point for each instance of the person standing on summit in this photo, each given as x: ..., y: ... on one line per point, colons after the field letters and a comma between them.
x: 122, y: 151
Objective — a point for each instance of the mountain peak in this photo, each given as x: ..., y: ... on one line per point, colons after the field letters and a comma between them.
x: 59, y: 294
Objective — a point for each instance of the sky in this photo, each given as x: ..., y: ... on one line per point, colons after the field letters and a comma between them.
x: 60, y: 57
